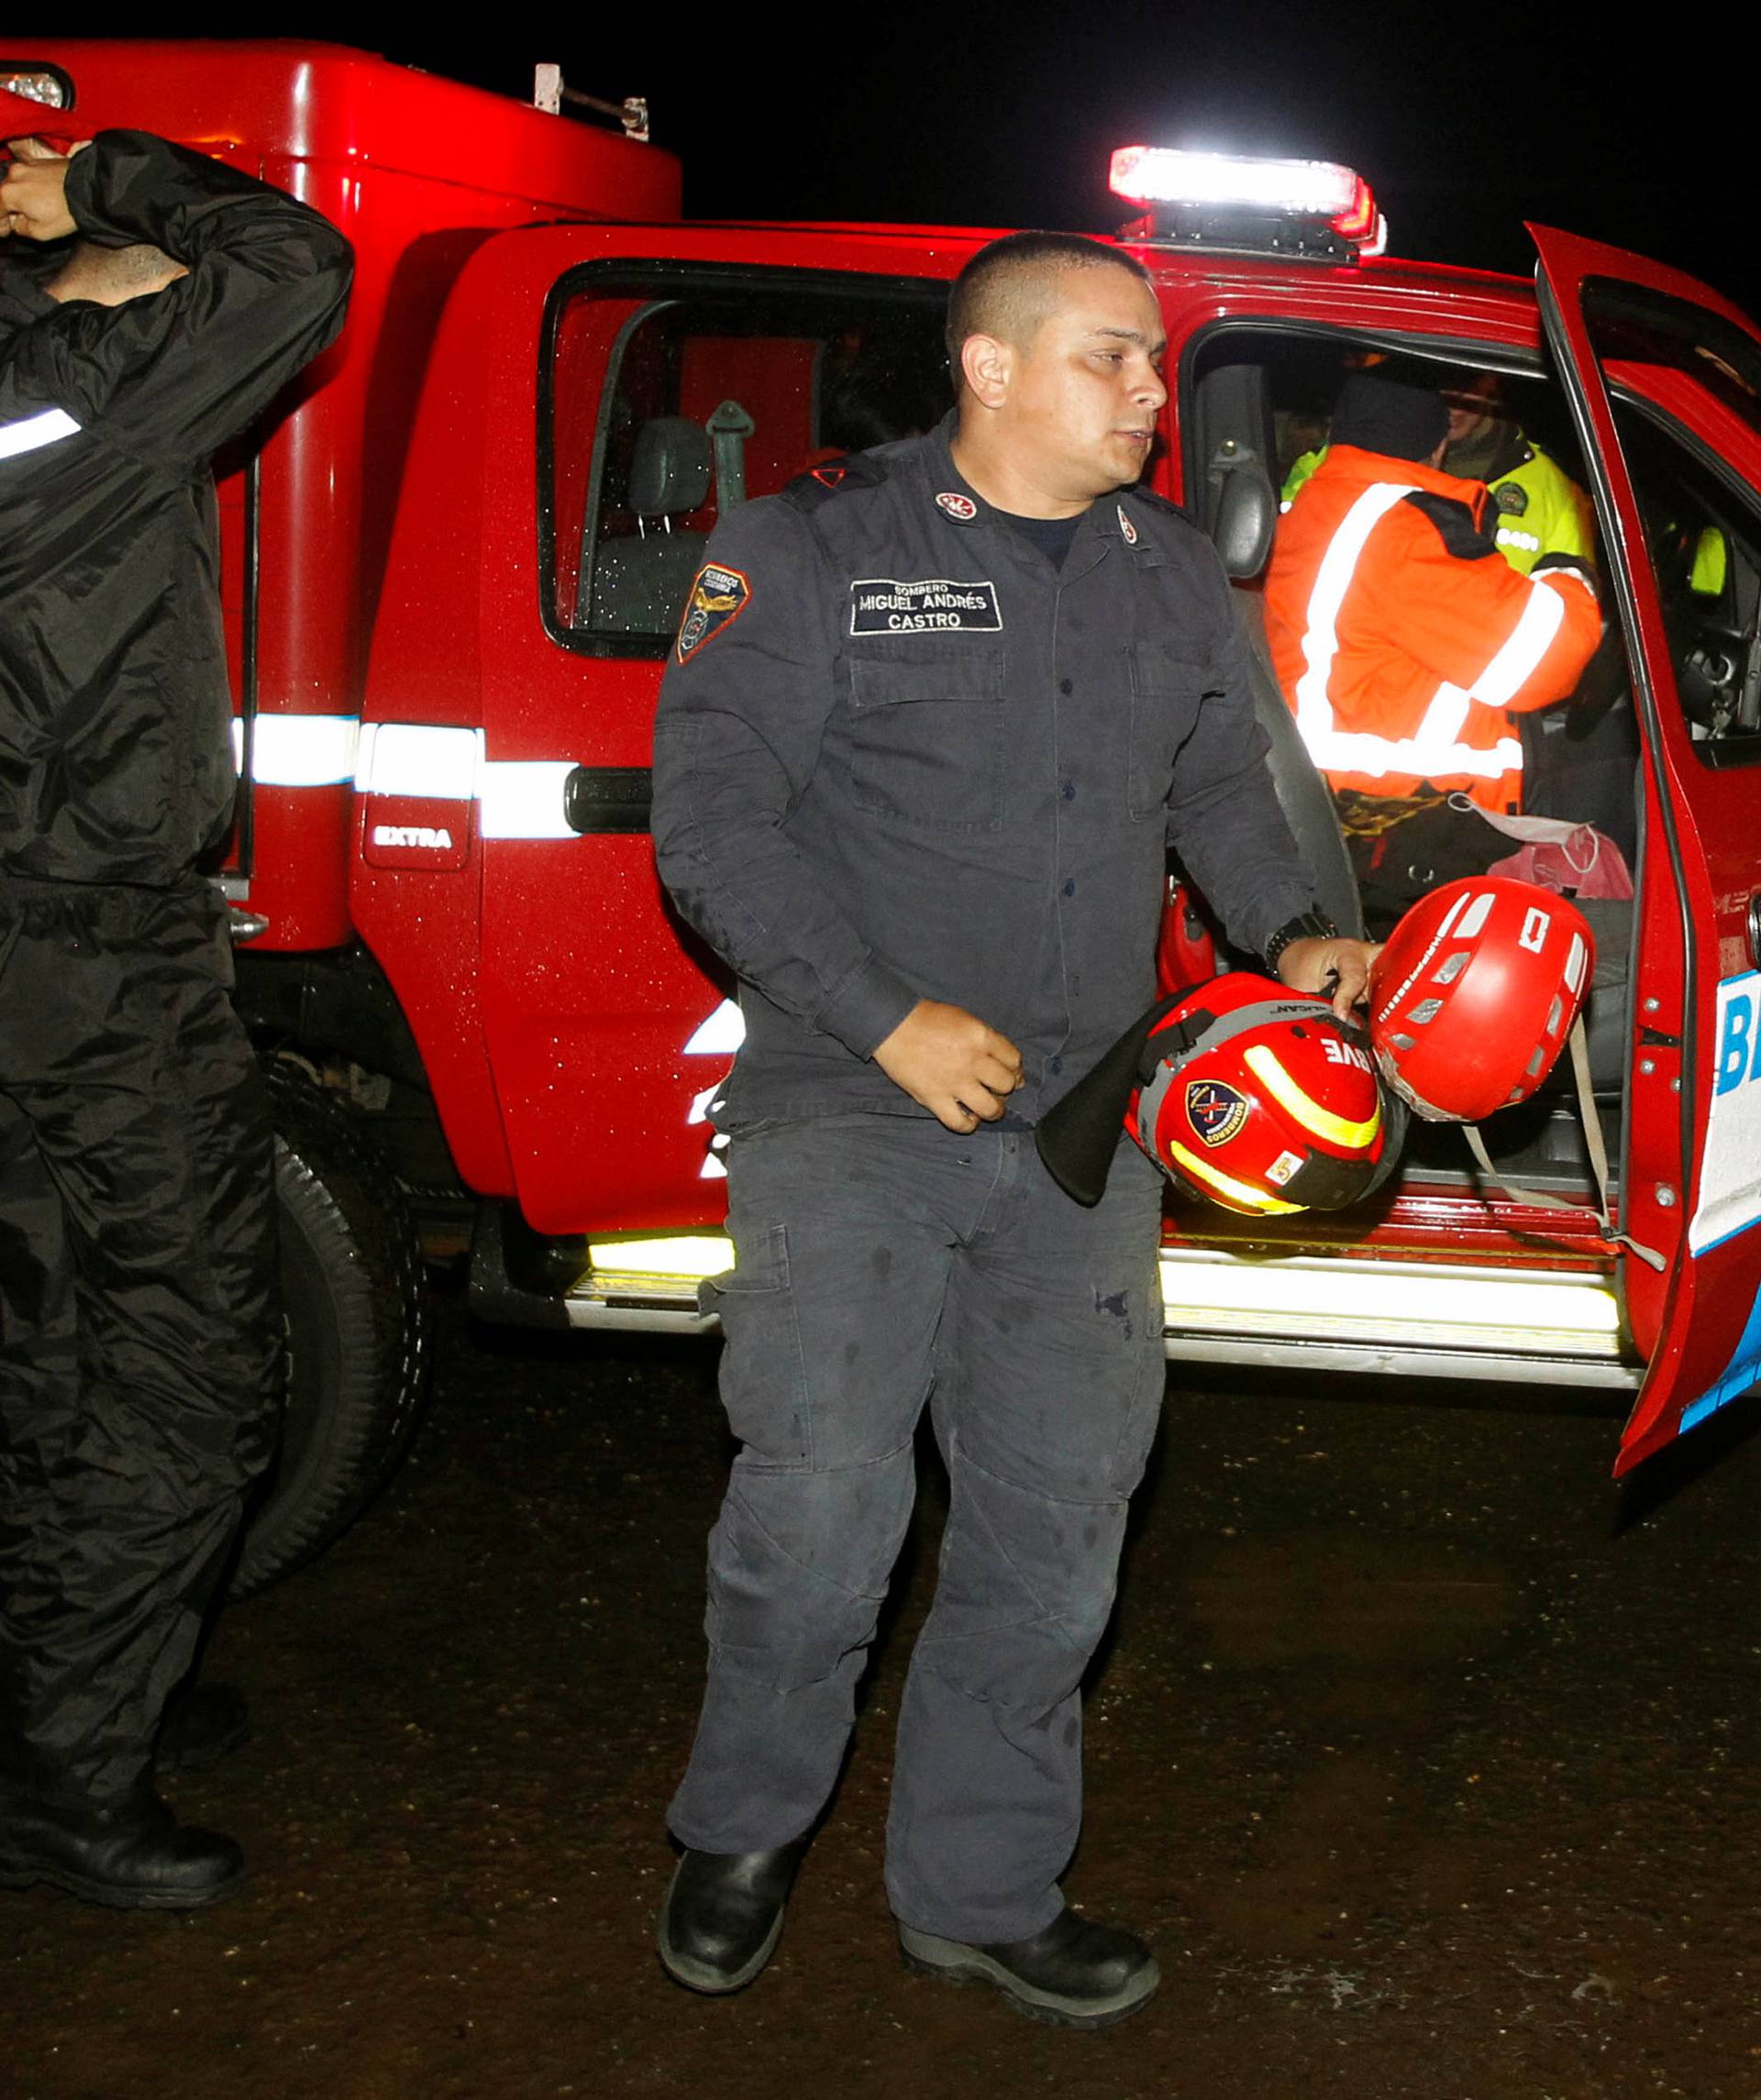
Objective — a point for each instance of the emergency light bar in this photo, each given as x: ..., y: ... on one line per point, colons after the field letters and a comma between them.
x: 1236, y: 200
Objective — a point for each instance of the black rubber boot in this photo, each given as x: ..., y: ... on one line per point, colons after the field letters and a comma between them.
x: 723, y: 1917
x: 1073, y: 1974
x: 202, y: 1723
x: 133, y: 1856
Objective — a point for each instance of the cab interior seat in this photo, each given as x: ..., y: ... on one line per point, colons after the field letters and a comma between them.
x: 639, y: 583
x: 1243, y: 521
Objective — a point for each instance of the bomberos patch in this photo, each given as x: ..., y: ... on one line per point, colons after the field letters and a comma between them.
x: 1214, y: 1110
x: 716, y: 597
x: 936, y: 604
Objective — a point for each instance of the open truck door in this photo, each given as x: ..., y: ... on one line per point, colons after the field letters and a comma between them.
x: 1665, y: 378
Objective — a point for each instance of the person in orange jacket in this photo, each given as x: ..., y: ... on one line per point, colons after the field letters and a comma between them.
x: 1405, y: 645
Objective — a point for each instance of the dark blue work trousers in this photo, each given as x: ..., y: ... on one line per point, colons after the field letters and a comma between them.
x: 879, y: 1258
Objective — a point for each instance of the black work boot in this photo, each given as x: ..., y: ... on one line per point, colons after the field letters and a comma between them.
x: 134, y: 1855
x: 202, y: 1723
x: 1073, y: 1974
x: 722, y: 1915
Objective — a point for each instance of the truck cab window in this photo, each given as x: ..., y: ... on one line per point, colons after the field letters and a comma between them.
x: 666, y: 412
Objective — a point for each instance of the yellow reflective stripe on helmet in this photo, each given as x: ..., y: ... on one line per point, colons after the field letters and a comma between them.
x: 1225, y: 1184
x: 1262, y: 1062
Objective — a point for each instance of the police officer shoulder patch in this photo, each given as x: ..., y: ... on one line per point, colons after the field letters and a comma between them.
x: 718, y: 596
x: 1511, y: 498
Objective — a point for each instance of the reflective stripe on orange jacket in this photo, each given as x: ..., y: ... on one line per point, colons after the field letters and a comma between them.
x: 1402, y: 643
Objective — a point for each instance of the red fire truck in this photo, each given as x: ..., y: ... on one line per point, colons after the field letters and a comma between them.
x: 455, y: 560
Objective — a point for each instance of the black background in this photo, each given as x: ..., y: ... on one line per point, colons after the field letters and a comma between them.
x: 1635, y: 129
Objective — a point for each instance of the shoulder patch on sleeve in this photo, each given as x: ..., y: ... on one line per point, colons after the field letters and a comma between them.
x: 834, y: 478
x: 1454, y: 524
x: 717, y: 597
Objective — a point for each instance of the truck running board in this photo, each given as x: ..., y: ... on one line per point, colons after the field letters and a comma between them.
x: 1306, y: 1311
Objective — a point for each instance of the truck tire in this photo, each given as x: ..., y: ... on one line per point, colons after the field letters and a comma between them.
x: 357, y: 1332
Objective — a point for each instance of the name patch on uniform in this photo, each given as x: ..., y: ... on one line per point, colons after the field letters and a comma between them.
x: 718, y: 596
x: 882, y: 605
x: 1214, y: 1110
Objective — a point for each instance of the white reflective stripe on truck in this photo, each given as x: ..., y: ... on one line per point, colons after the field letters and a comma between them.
x: 517, y: 798
x: 299, y: 750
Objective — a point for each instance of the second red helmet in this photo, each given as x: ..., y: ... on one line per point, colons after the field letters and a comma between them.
x: 1473, y: 996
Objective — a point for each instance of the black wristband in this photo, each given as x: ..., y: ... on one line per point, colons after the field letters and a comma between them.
x: 1305, y: 926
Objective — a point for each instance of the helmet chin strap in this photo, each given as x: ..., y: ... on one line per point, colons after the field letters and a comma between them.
x: 1541, y: 1200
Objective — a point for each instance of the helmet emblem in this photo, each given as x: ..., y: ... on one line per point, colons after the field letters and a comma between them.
x: 1214, y: 1110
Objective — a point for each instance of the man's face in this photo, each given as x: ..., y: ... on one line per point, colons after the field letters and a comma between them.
x: 1469, y: 410
x: 1078, y: 416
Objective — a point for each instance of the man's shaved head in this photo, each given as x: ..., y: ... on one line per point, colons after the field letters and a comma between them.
x: 1010, y: 286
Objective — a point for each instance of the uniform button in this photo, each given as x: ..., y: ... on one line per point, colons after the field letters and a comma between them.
x: 1068, y: 791
x: 1070, y: 889
x: 1064, y: 686
x: 1057, y: 1064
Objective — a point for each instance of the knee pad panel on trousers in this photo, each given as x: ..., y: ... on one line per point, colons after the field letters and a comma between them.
x: 798, y: 1562
x: 1024, y: 1592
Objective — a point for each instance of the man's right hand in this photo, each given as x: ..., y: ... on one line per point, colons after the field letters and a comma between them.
x: 947, y: 1060
x: 33, y: 191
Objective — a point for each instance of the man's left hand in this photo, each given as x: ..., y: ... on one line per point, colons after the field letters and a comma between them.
x: 33, y: 191
x: 1333, y: 966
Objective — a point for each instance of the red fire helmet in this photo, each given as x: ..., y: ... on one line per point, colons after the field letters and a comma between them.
x: 1474, y: 995
x: 1256, y: 1096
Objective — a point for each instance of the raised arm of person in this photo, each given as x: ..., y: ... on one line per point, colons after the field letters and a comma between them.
x: 263, y: 287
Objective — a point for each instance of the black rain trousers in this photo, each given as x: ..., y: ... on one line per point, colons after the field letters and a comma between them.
x: 140, y: 1338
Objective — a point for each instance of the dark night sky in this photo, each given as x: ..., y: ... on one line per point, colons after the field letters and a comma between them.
x: 1465, y: 121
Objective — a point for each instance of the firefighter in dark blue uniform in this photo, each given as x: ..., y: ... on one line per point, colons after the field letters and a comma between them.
x: 162, y: 303
x: 934, y: 718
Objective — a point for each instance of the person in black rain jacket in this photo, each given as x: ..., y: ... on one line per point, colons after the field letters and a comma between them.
x: 152, y: 304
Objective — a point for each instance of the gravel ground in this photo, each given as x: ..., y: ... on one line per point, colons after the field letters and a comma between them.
x: 1421, y: 1754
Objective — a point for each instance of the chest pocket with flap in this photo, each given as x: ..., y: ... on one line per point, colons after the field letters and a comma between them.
x: 1167, y: 690
x: 927, y: 735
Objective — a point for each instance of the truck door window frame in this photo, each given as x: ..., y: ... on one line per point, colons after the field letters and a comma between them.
x: 654, y: 285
